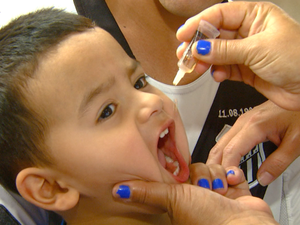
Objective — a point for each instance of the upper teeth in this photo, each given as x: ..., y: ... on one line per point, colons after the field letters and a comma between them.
x: 166, y: 131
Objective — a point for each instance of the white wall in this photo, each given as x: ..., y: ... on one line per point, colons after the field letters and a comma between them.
x: 13, y: 8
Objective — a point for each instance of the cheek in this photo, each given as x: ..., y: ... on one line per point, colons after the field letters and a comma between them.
x: 135, y: 160
x: 106, y: 161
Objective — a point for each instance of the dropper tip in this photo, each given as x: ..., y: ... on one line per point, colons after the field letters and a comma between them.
x: 178, y: 77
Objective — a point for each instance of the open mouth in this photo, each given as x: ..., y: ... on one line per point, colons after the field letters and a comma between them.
x: 169, y: 156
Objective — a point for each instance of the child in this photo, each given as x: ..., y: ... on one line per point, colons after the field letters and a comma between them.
x: 77, y: 117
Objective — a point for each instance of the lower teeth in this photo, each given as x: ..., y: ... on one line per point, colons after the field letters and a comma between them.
x: 175, y: 163
x: 176, y: 172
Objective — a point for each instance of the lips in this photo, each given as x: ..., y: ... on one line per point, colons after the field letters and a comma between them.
x: 169, y: 156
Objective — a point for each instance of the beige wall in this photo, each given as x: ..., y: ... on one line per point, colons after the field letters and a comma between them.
x: 292, y: 7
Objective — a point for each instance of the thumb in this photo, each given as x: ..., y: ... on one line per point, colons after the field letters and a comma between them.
x: 222, y: 51
x: 155, y: 194
x: 177, y: 199
x: 278, y: 161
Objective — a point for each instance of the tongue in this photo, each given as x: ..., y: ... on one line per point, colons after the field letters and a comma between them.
x: 170, y: 166
x: 161, y: 158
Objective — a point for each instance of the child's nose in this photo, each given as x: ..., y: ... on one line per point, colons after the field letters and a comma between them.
x: 150, y: 104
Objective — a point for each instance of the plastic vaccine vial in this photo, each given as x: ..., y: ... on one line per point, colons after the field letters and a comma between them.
x: 187, y: 62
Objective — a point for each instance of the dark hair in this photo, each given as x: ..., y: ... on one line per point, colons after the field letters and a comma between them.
x: 22, y: 129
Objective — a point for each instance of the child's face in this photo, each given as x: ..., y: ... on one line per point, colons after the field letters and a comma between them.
x: 105, y: 120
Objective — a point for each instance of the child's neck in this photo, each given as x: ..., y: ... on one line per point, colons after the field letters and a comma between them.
x: 140, y: 219
x: 108, y: 211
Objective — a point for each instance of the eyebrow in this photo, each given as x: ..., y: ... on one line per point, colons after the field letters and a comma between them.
x: 133, y: 67
x: 104, y: 87
x: 88, y: 98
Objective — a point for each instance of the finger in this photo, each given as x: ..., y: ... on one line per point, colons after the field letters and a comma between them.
x: 223, y: 51
x: 220, y: 73
x: 218, y: 176
x: 145, y: 193
x: 246, y: 133
x: 279, y: 160
x: 181, y: 48
x: 216, y: 153
x: 238, y: 185
x: 235, y: 176
x: 233, y: 72
x: 200, y: 175
x: 240, y: 145
x: 201, y: 67
x: 165, y: 197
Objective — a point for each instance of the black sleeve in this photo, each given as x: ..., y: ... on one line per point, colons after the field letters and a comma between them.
x: 7, y: 218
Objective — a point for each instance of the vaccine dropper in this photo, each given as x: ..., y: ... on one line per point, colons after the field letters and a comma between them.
x: 187, y: 62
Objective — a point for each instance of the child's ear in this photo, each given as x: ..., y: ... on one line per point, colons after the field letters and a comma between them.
x: 38, y: 186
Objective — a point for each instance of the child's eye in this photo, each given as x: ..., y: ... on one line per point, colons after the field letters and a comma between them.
x: 108, y: 111
x: 140, y: 83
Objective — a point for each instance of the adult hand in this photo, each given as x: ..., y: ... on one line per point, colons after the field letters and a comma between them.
x: 188, y: 204
x: 259, y: 44
x: 264, y: 122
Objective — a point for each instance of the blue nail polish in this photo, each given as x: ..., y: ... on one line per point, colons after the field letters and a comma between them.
x: 181, y: 44
x: 123, y: 191
x: 203, y: 183
x: 180, y: 26
x: 212, y: 72
x: 230, y: 172
x: 217, y: 184
x: 203, y: 47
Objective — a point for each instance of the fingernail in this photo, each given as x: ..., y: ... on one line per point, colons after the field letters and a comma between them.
x: 181, y: 44
x: 180, y: 27
x: 230, y: 172
x: 217, y: 184
x: 212, y: 72
x: 265, y: 178
x: 123, y: 191
x: 203, y: 47
x: 203, y: 183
